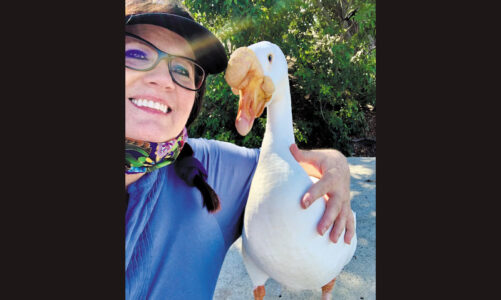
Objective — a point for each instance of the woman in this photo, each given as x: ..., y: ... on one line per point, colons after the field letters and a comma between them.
x: 174, y: 246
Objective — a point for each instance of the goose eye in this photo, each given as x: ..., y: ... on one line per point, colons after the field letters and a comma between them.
x: 270, y: 57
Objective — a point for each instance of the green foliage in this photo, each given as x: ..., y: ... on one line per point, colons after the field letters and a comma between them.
x: 332, y: 66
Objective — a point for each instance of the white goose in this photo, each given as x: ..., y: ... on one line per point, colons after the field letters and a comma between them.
x: 279, y: 237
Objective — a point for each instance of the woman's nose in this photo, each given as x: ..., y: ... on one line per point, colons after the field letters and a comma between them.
x: 160, y: 76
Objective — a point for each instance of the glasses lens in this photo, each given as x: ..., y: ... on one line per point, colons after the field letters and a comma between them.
x: 186, y: 73
x: 141, y: 56
x: 138, y: 54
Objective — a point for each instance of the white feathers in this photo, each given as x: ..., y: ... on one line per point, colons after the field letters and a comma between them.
x: 280, y: 238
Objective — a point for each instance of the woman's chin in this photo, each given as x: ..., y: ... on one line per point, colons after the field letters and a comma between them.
x: 150, y: 135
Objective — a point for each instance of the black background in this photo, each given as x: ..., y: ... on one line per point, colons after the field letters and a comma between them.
x: 62, y: 201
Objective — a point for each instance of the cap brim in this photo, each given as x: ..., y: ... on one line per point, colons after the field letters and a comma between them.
x: 209, y: 51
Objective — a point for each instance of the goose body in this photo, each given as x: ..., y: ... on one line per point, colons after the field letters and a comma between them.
x: 279, y: 238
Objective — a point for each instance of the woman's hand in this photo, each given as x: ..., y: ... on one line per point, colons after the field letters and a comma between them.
x: 331, y: 167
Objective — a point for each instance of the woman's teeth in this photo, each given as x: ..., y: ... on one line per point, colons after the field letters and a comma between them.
x: 150, y: 104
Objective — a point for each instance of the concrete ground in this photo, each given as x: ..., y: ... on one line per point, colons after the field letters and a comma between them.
x: 357, y: 280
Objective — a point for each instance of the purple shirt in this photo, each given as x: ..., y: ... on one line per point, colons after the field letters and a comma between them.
x: 174, y: 248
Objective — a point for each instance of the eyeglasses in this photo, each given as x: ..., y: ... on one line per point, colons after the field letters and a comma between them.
x: 141, y: 55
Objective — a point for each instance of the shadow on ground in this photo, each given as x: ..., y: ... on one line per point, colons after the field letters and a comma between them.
x: 356, y: 281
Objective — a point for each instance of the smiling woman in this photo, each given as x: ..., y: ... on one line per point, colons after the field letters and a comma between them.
x: 150, y: 83
x: 185, y: 196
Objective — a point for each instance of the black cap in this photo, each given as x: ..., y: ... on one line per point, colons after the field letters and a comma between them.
x: 209, y: 51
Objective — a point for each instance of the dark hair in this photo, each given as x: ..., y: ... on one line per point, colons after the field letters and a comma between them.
x: 191, y: 171
x: 187, y: 167
x: 197, y: 105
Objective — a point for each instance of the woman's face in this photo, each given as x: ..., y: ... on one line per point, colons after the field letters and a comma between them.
x: 145, y: 123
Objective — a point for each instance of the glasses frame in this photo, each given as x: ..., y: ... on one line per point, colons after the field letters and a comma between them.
x: 164, y: 55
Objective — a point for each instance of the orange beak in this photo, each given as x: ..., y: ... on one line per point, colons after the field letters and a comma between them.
x: 245, y: 77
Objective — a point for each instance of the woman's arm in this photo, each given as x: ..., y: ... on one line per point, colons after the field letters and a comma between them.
x: 331, y: 167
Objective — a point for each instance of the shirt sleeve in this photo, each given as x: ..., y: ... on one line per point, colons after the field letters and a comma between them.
x: 230, y: 169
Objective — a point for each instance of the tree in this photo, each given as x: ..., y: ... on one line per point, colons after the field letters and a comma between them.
x: 330, y: 48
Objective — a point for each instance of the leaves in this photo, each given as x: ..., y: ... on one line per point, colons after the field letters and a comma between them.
x: 332, y: 74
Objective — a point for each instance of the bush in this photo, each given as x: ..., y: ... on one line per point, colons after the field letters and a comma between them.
x: 331, y: 52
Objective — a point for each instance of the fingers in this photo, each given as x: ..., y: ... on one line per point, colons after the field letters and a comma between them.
x: 350, y: 228
x: 320, y: 188
x: 332, y: 210
x: 296, y: 152
x: 344, y: 220
x: 338, y: 213
x: 332, y: 169
x: 303, y: 155
x: 306, y: 160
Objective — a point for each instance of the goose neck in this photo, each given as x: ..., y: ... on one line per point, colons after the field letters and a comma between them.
x: 279, y: 129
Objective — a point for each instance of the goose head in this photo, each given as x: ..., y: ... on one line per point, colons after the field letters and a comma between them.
x: 255, y: 73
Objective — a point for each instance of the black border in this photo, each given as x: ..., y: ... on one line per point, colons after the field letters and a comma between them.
x: 63, y: 204
x: 435, y: 163
x: 62, y: 194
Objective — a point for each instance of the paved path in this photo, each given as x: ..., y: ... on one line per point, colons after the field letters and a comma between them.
x: 357, y: 281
